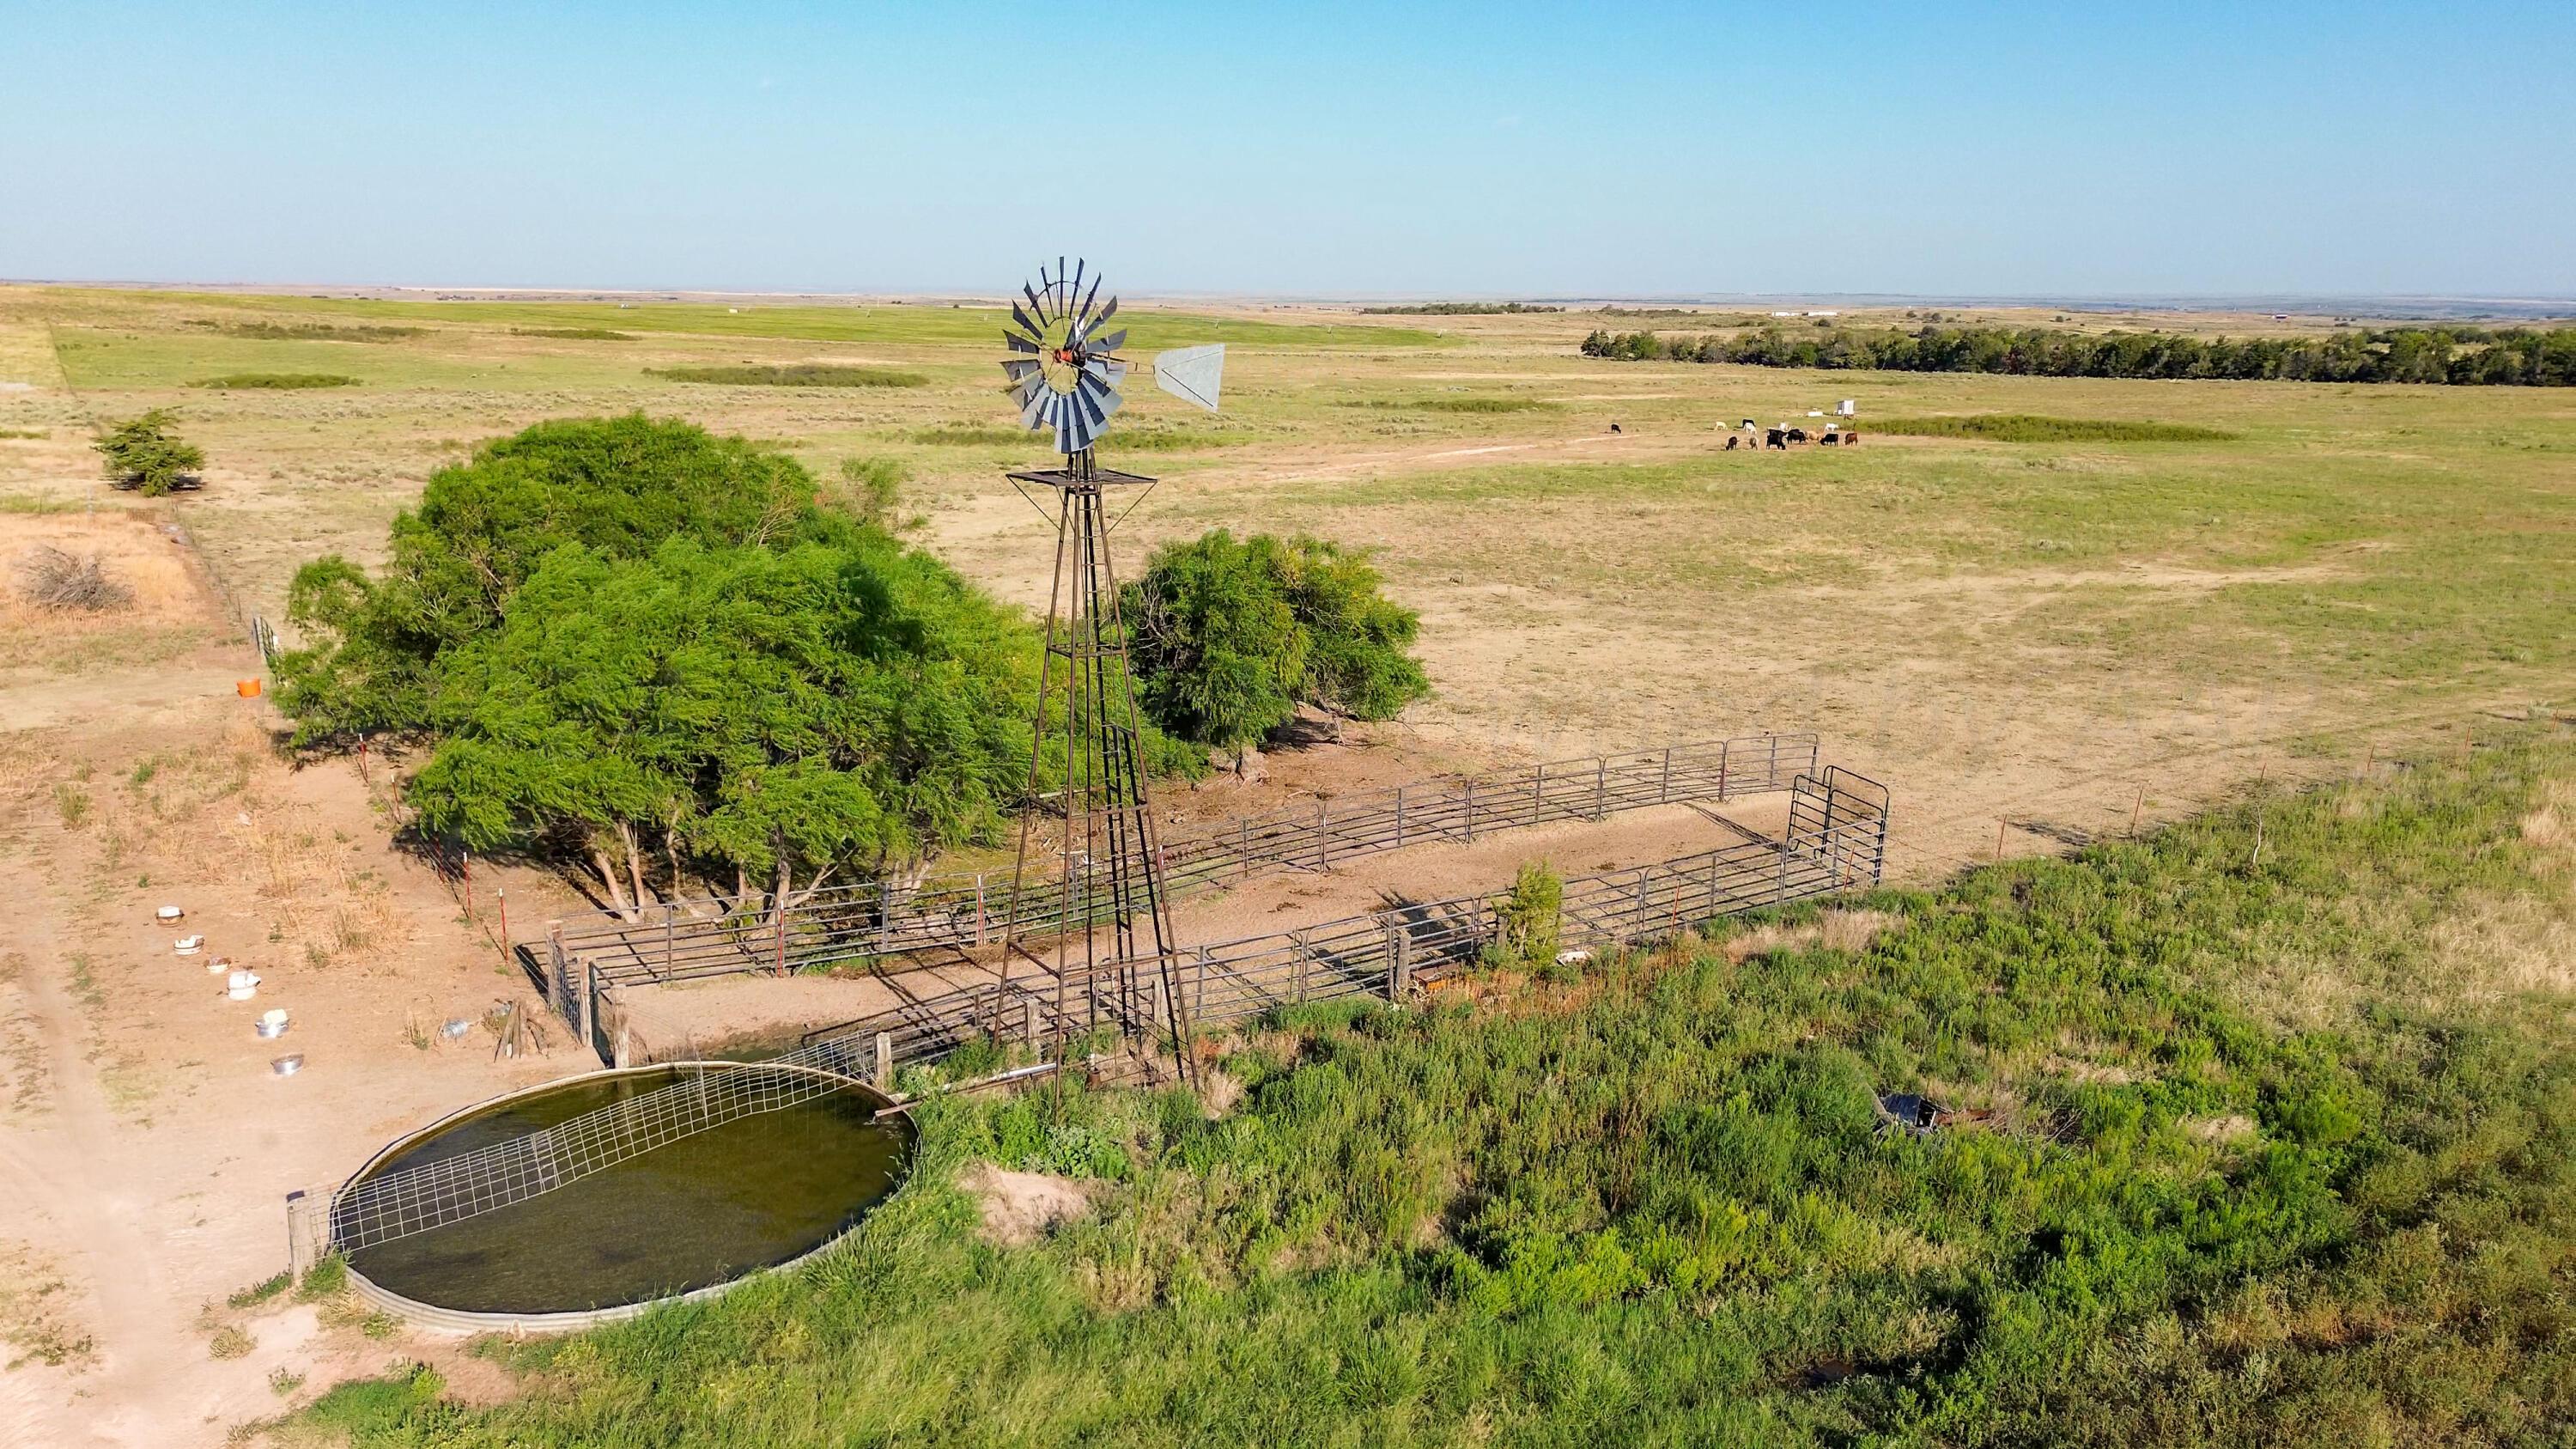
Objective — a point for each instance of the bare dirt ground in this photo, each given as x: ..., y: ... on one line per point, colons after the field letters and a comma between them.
x: 145, y: 1146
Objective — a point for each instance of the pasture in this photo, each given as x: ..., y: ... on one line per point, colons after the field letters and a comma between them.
x: 2050, y: 613
x: 2077, y: 600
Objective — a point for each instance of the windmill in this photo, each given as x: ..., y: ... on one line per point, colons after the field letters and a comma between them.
x: 1065, y: 373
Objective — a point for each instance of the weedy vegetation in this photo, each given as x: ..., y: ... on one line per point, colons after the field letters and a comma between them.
x: 54, y: 578
x: 278, y: 381
x: 1664, y: 1206
x: 809, y: 374
x: 2032, y: 428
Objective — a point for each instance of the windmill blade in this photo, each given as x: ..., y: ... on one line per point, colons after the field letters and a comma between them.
x: 1106, y: 312
x: 1034, y: 304
x: 1092, y: 296
x: 1192, y: 374
x: 1017, y: 343
x: 1025, y: 325
x: 1111, y: 342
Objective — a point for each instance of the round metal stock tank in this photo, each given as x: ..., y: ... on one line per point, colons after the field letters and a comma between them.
x: 686, y: 1220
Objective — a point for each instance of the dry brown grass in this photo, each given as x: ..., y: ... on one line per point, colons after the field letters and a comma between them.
x: 53, y: 578
x: 2526, y: 941
x: 229, y: 813
x: 166, y: 608
x: 38, y: 1321
x: 1831, y: 931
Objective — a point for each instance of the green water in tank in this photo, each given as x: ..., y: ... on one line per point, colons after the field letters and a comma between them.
x: 752, y: 1193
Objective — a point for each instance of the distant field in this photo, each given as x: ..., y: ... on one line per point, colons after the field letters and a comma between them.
x: 2155, y: 587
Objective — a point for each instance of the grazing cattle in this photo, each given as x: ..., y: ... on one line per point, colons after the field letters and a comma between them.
x: 1614, y: 427
x: 1731, y: 441
x: 1829, y: 439
x: 1851, y: 440
x: 1775, y: 438
x: 1797, y: 435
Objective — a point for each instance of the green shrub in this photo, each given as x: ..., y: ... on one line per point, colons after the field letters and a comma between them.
x: 575, y: 334
x: 803, y: 374
x: 143, y: 454
x: 2030, y: 428
x: 872, y: 489
x: 278, y: 381
x: 1230, y: 637
x: 1529, y: 918
x: 315, y: 331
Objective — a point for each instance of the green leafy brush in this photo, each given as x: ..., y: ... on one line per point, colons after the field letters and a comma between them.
x: 312, y: 331
x: 2033, y: 428
x: 278, y: 381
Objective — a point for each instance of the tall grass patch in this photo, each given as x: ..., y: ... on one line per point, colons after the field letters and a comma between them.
x: 276, y: 381
x: 1661, y: 1203
x: 803, y: 374
x: 2033, y: 428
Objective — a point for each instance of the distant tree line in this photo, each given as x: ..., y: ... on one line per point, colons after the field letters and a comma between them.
x: 2466, y: 356
x: 1459, y: 309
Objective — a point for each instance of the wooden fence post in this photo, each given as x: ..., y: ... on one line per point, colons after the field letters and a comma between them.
x: 1538, y: 792
x: 589, y: 1004
x: 979, y: 908
x: 1601, y: 788
x: 1724, y: 749
x: 1029, y: 1020
x: 1243, y: 852
x: 1323, y: 836
x: 1399, y: 817
x: 559, y: 976
x: 1664, y: 790
x: 782, y: 930
x: 885, y: 1062
x: 1297, y: 944
x: 670, y: 943
x: 1471, y: 810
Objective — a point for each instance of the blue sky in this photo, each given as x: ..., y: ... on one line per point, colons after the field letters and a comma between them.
x: 1335, y: 150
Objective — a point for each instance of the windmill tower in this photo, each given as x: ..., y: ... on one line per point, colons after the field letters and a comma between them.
x: 1065, y: 374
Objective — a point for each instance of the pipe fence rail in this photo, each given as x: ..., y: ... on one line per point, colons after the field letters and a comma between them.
x: 872, y: 920
x: 1836, y: 841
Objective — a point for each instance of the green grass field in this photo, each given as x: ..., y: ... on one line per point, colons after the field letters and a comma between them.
x: 2066, y: 590
x: 2282, y: 1111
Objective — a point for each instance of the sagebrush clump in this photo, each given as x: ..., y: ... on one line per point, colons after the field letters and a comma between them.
x: 53, y: 578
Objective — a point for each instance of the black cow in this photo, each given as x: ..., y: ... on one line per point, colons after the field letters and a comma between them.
x: 1829, y: 439
x: 1775, y: 438
x: 1731, y: 441
x: 1797, y: 435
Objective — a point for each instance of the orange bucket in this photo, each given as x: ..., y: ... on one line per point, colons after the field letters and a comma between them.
x: 248, y: 688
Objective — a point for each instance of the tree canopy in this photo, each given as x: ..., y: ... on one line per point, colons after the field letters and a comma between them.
x: 621, y: 487
x: 781, y: 711
x: 1231, y: 636
x: 143, y: 454
x: 640, y: 639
